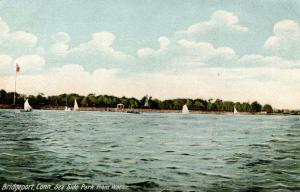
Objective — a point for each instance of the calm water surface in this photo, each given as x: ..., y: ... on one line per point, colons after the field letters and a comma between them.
x: 151, y: 151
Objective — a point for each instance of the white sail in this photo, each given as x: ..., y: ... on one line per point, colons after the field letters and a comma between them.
x: 146, y: 101
x: 67, y: 108
x: 185, y: 109
x: 27, y: 107
x: 235, y: 111
x: 75, y: 106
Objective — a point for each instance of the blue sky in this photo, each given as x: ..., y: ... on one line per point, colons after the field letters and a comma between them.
x: 235, y: 50
x: 139, y: 23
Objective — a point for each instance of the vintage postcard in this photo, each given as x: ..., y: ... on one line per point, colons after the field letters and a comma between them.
x: 150, y: 95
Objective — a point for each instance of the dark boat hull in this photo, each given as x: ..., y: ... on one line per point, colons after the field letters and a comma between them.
x: 134, y: 112
x: 22, y: 110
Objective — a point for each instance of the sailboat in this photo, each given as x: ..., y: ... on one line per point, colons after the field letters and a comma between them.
x: 66, y: 107
x: 131, y: 110
x: 27, y: 107
x: 235, y: 112
x: 76, y: 108
x: 185, y: 109
x: 146, y: 104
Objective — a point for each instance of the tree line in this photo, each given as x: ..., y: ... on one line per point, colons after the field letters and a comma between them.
x: 93, y: 100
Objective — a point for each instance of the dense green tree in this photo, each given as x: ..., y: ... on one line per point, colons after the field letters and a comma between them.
x: 255, y: 107
x: 227, y: 106
x: 84, y: 102
x: 2, y: 96
x: 267, y: 108
x: 167, y: 104
x: 238, y: 106
x: 155, y: 104
x: 133, y: 103
x: 93, y: 100
x: 189, y: 103
x: 177, y: 104
x: 211, y: 106
x: 200, y: 104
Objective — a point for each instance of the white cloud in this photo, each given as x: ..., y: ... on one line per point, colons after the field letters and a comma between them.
x: 144, y: 52
x: 186, y: 54
x: 220, y: 20
x: 5, y: 63
x: 95, y: 53
x: 30, y: 63
x: 100, y: 44
x: 61, y: 37
x: 206, y: 51
x: 21, y: 37
x: 71, y: 78
x: 61, y: 45
x: 4, y: 29
x: 164, y: 44
x: 16, y: 38
x: 103, y: 39
x: 60, y: 48
x: 256, y: 60
x: 196, y: 46
x: 228, y: 84
x: 286, y: 39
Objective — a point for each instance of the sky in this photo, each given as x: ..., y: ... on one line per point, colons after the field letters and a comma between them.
x: 231, y: 50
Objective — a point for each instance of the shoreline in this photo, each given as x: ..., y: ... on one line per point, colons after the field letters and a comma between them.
x: 141, y: 110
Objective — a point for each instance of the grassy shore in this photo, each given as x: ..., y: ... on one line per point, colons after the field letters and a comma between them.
x: 145, y: 110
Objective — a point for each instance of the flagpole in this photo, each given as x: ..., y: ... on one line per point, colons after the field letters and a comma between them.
x: 15, y: 88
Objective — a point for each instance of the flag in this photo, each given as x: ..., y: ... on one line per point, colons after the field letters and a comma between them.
x: 17, y: 68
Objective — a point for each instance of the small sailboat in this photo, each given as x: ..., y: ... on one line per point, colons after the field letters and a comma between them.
x: 146, y: 104
x: 67, y: 108
x: 235, y: 112
x: 131, y: 110
x: 185, y: 109
x: 27, y: 107
x: 76, y: 108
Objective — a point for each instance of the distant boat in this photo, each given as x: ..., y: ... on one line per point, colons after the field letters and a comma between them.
x: 27, y: 107
x: 235, y: 111
x: 185, y: 109
x: 133, y: 111
x: 67, y: 108
x: 146, y: 104
x: 76, y: 108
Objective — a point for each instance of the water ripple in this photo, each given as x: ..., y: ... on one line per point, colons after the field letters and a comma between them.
x: 151, y: 151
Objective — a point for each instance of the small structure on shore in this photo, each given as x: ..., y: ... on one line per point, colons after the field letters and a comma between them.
x: 120, y: 106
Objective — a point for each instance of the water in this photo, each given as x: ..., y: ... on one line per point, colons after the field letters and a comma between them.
x: 151, y: 151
